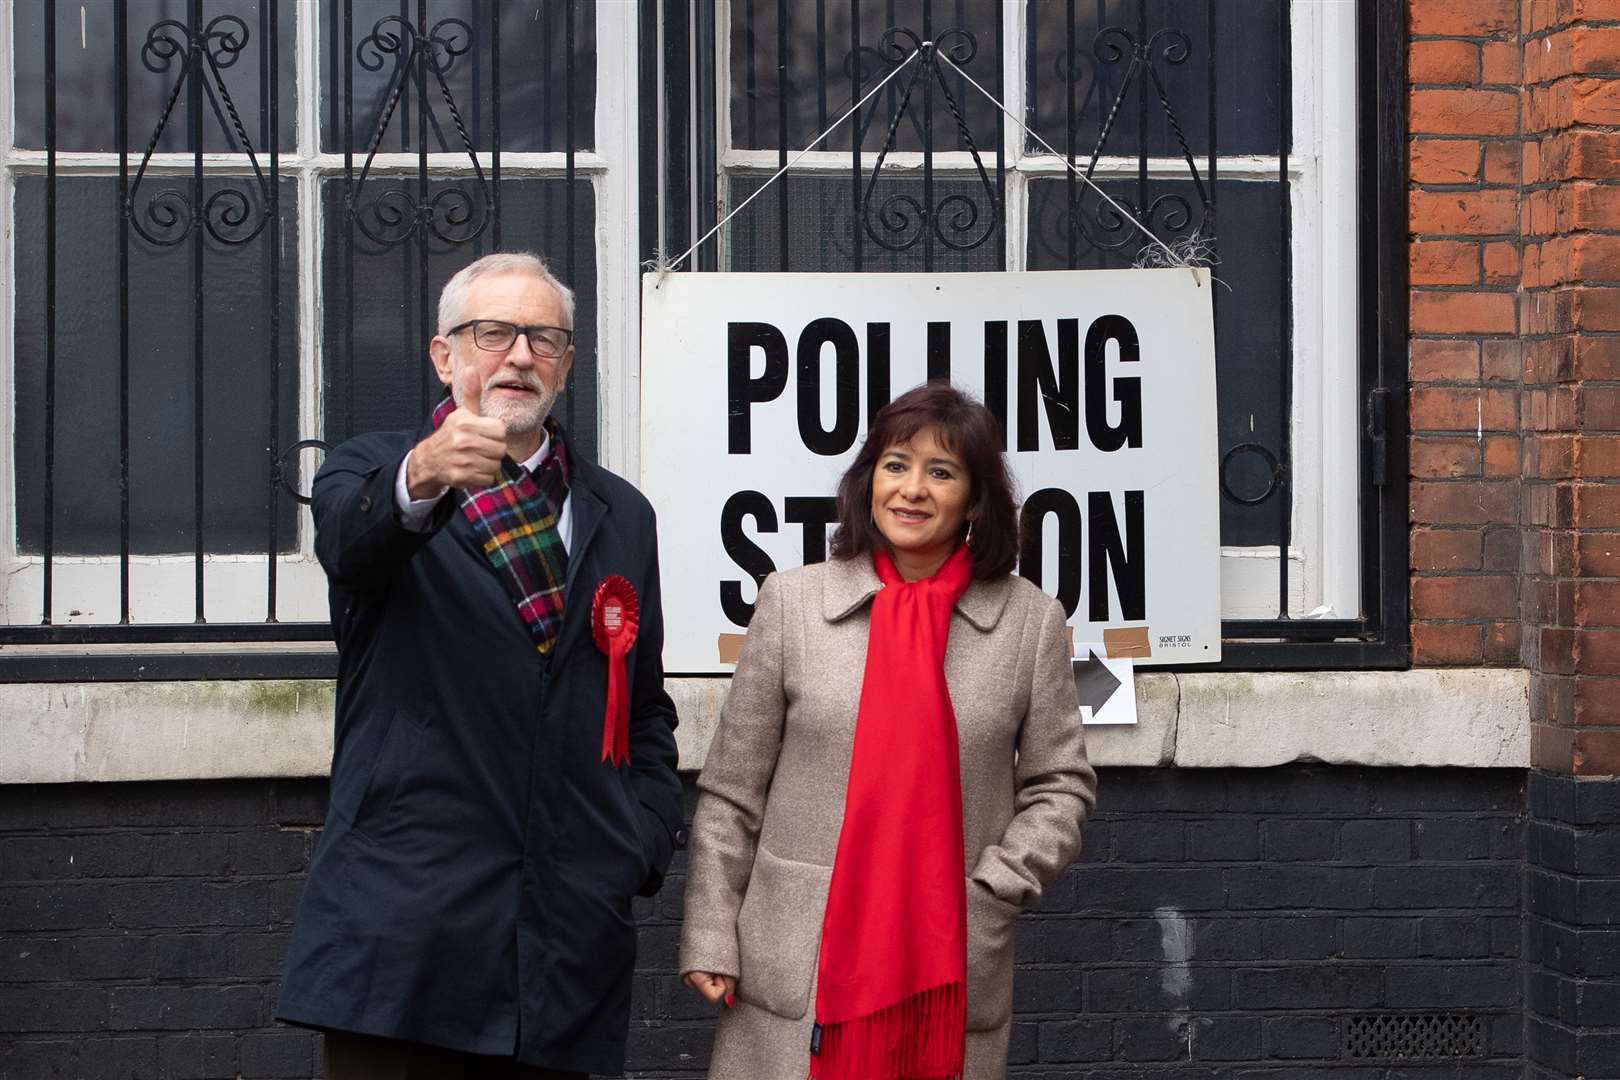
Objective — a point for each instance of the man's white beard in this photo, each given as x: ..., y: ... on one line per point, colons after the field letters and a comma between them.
x: 520, y: 418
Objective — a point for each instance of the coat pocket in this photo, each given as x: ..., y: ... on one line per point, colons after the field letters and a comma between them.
x: 641, y: 831
x: 990, y: 939
x: 392, y: 772
x: 779, y: 933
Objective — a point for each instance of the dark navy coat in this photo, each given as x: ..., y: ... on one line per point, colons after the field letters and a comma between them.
x: 472, y: 886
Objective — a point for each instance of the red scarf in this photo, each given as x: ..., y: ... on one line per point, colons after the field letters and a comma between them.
x: 891, y: 998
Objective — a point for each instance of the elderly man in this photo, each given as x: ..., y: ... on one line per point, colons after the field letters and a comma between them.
x: 503, y: 780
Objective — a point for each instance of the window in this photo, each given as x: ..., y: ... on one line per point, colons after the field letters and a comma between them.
x: 1249, y: 129
x: 229, y: 222
x: 230, y: 226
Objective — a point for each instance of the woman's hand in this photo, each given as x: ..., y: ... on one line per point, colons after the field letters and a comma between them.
x: 714, y: 988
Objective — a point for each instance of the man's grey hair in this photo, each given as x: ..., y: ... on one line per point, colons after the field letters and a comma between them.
x: 453, y: 300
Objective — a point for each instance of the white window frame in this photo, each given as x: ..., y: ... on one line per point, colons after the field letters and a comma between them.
x: 86, y: 589
x: 1324, y: 552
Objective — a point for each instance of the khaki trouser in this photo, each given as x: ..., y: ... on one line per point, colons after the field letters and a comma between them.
x: 365, y: 1057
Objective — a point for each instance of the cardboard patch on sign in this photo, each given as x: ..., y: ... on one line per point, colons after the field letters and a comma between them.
x: 1129, y: 642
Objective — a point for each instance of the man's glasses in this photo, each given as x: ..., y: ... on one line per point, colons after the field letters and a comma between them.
x: 492, y: 335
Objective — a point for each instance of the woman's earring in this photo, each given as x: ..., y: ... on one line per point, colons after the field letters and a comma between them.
x: 968, y: 539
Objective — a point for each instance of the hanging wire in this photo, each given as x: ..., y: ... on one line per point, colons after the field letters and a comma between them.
x: 1187, y: 258
x: 783, y: 170
x: 1175, y: 259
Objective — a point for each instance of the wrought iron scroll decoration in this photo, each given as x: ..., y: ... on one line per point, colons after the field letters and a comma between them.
x: 227, y: 214
x: 864, y: 65
x: 902, y: 220
x: 453, y: 214
x: 1071, y: 66
x: 1108, y: 230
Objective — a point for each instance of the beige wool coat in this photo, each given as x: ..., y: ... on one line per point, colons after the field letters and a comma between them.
x: 772, y: 801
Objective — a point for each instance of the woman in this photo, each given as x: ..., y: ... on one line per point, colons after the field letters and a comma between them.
x: 898, y: 771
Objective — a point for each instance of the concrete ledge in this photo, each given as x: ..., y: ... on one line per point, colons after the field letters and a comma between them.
x: 66, y: 733
x: 1476, y: 717
x: 1153, y: 740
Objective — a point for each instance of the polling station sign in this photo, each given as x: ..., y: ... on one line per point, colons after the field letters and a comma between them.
x: 756, y: 390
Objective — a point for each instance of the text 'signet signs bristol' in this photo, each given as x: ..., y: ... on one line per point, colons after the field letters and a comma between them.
x: 757, y: 388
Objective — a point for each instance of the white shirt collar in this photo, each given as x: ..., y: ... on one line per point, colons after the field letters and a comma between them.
x: 533, y: 463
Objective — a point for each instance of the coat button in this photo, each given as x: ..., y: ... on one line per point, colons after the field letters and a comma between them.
x: 680, y: 839
x: 365, y: 503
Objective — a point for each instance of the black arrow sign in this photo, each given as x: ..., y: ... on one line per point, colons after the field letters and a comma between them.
x: 1097, y: 684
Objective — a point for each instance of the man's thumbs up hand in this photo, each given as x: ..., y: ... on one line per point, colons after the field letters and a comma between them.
x: 469, y: 390
x: 467, y: 449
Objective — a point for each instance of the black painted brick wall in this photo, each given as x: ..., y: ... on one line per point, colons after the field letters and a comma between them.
x: 1221, y: 923
x: 142, y: 928
x: 1572, y: 927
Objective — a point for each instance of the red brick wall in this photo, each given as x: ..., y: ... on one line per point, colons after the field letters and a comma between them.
x: 1570, y: 397
x: 1515, y: 356
x: 1465, y: 350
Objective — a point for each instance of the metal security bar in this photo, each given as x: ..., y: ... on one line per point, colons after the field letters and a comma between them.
x: 1114, y: 93
x: 414, y: 171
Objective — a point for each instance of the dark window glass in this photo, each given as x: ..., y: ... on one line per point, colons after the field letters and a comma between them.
x: 391, y: 311
x: 1249, y: 349
x: 237, y: 33
x: 815, y: 77
x: 821, y: 235
x: 1085, y: 71
x: 537, y: 70
x: 236, y: 383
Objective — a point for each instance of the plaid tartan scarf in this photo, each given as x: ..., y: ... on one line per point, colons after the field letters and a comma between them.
x: 516, y: 524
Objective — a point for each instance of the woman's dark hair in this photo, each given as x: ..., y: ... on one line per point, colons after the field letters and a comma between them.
x: 968, y: 430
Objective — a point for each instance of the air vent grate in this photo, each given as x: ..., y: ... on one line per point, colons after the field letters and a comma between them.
x: 1423, y: 1035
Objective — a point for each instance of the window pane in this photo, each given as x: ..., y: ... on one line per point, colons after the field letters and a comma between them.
x: 1250, y: 354
x: 819, y: 63
x: 821, y: 235
x: 533, y: 103
x: 237, y: 390
x: 237, y: 33
x: 1245, y: 49
x: 387, y: 381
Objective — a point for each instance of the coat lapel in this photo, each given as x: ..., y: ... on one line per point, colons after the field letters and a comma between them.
x: 587, y: 509
x: 850, y: 584
x: 984, y: 602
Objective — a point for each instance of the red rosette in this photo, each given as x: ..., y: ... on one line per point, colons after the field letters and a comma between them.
x: 615, y: 616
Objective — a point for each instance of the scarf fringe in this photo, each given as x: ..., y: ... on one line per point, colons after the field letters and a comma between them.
x: 919, y: 1038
